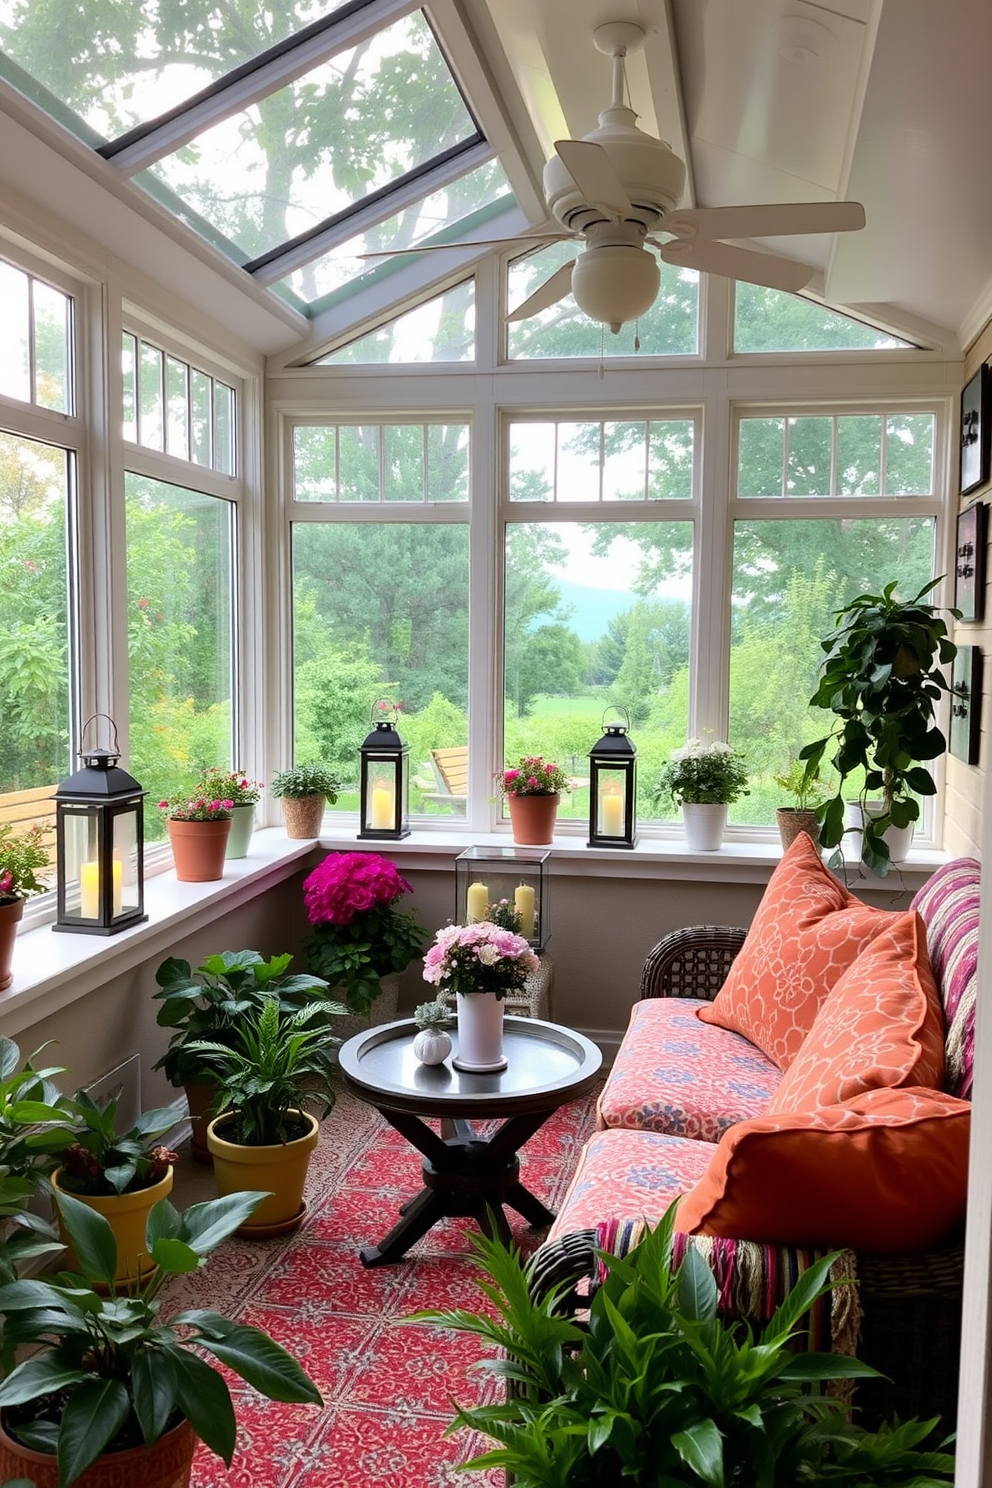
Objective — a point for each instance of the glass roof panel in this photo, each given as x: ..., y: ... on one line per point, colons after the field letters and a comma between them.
x: 342, y: 266
x: 121, y: 65
x: 348, y: 127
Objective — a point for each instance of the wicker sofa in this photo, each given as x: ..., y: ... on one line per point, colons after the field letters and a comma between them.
x: 903, y: 1314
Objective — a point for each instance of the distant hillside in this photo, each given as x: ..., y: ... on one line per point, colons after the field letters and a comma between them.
x: 592, y: 609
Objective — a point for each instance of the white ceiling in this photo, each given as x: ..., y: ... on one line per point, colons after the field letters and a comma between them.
x: 888, y: 102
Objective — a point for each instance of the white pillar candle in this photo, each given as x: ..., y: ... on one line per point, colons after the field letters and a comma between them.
x: 523, y: 899
x: 477, y: 902
x: 611, y: 814
x: 89, y: 888
x: 382, y: 806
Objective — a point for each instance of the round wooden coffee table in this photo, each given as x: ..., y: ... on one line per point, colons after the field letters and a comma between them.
x: 467, y: 1173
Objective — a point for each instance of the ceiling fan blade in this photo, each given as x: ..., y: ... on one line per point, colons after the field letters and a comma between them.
x: 738, y: 263
x: 770, y: 220
x: 549, y: 293
x: 592, y: 171
x: 522, y: 238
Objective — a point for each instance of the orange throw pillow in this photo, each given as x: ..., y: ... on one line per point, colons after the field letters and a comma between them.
x: 807, y: 930
x: 886, y: 1171
x: 881, y: 1025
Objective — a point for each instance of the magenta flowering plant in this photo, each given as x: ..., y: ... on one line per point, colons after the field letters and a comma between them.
x: 359, y: 935
x: 22, y: 856
x: 481, y: 957
x: 197, y: 808
x: 228, y: 785
x: 533, y: 775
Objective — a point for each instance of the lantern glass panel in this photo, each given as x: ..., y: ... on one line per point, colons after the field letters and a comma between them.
x: 385, y: 789
x: 611, y: 791
x: 82, y: 848
x: 125, y: 855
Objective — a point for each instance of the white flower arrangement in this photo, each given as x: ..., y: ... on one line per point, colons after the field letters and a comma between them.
x: 703, y: 774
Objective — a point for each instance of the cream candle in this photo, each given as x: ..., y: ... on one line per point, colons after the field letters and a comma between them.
x: 382, y: 806
x: 477, y: 902
x: 611, y: 814
x: 523, y: 899
x: 89, y: 888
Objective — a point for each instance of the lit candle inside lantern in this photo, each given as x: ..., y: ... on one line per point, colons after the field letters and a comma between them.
x: 611, y: 812
x: 523, y: 899
x: 89, y: 889
x: 382, y: 805
x: 477, y: 902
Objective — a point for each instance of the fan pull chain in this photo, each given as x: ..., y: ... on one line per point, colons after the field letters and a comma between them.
x: 602, y: 348
x: 637, y: 335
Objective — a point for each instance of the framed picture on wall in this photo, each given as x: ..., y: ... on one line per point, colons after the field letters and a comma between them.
x: 966, y: 704
x: 975, y: 431
x: 969, y: 562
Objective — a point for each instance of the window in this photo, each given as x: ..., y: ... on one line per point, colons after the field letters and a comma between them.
x: 381, y: 600
x: 770, y: 320
x: 172, y: 406
x: 794, y: 568
x: 35, y: 341
x: 616, y: 460
x: 441, y: 330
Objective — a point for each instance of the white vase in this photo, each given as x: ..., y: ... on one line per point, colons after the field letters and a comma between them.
x: 899, y: 840
x: 704, y: 825
x: 480, y: 1032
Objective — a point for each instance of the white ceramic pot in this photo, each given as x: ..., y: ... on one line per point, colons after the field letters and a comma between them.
x: 480, y: 1032
x: 898, y: 840
x: 704, y: 825
x: 432, y: 1045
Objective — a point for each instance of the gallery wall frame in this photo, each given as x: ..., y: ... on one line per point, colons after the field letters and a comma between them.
x: 975, y: 431
x: 966, y: 704
x: 970, y: 561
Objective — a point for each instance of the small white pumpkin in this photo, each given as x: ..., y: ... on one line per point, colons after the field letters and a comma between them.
x: 432, y: 1045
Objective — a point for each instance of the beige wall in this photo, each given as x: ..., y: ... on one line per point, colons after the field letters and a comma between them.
x: 966, y: 783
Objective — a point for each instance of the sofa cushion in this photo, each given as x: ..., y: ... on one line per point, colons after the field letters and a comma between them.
x: 882, y: 1024
x: 807, y: 930
x: 949, y: 905
x: 676, y: 1075
x: 629, y: 1173
x: 885, y: 1171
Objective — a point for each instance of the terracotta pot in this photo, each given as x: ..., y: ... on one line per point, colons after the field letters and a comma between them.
x: 199, y: 1098
x: 279, y: 1170
x: 10, y: 918
x: 198, y: 849
x: 533, y: 819
x: 792, y: 821
x: 127, y: 1215
x: 165, y: 1464
x: 480, y: 1031
x: 303, y: 815
x: 242, y: 827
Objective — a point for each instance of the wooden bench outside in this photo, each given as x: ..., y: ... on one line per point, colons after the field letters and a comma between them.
x: 450, y: 768
x: 25, y: 808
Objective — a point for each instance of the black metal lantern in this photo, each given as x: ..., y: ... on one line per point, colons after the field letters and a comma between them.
x: 99, y: 837
x: 612, y: 787
x: 385, y: 781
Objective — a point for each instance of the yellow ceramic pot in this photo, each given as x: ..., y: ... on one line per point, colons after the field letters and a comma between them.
x: 279, y: 1171
x: 127, y: 1215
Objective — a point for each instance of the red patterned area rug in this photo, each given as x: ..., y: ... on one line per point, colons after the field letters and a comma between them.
x: 387, y: 1385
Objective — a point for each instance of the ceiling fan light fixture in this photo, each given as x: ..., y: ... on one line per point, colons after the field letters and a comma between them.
x: 615, y: 284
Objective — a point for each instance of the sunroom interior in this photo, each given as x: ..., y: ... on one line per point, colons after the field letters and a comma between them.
x: 276, y: 454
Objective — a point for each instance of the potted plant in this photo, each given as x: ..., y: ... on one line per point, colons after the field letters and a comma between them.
x: 882, y: 680
x: 480, y: 963
x: 361, y: 942
x: 304, y: 792
x: 198, y: 828
x: 807, y: 792
x: 704, y: 779
x: 22, y: 856
x: 121, y: 1175
x: 207, y: 1004
x: 233, y: 786
x: 659, y: 1388
x: 432, y: 1043
x: 263, y: 1139
x: 117, y: 1390
x: 31, y: 1106
x: 532, y: 789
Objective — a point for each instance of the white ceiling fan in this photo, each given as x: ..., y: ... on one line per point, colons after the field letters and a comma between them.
x: 618, y: 188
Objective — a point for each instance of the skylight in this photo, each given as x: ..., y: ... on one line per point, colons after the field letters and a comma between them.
x: 278, y: 134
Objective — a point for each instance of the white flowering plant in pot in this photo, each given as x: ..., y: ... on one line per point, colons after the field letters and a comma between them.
x: 703, y: 774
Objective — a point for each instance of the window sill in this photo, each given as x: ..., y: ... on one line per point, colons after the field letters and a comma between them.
x: 52, y: 969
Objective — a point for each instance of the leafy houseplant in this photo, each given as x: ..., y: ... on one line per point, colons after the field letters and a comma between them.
x: 112, y: 1373
x: 660, y: 1390
x: 882, y: 680
x: 359, y: 935
x: 807, y: 794
x: 31, y: 1107
x: 304, y: 790
x: 703, y: 774
x: 22, y: 856
x: 102, y: 1161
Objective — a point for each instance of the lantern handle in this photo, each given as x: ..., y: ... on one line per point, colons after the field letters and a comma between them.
x: 616, y: 708
x: 115, y: 747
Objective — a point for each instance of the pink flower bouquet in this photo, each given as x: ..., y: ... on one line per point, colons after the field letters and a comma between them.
x: 481, y: 957
x: 533, y: 775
